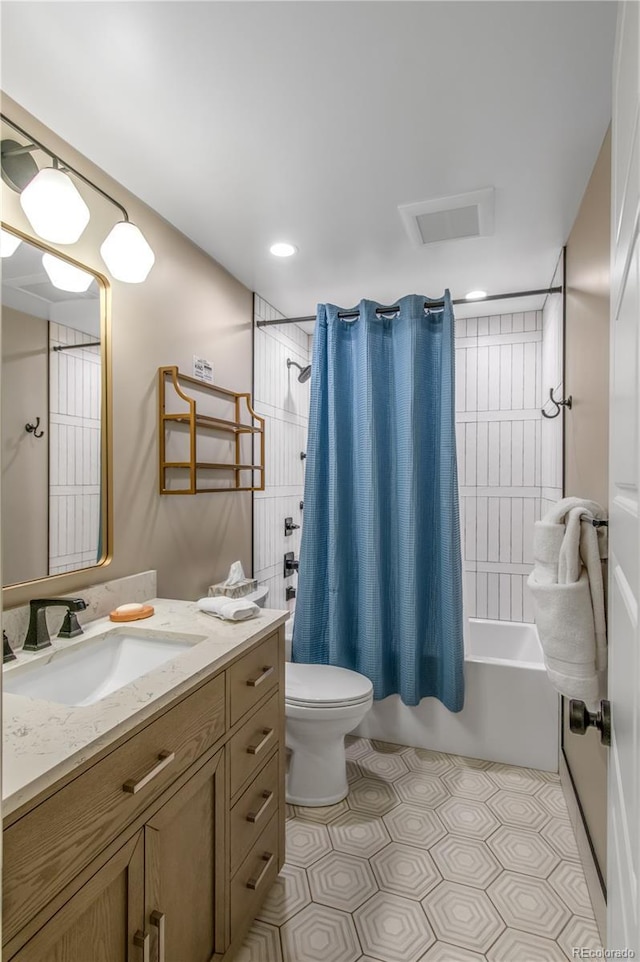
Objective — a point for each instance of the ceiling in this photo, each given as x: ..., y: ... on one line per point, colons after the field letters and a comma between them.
x: 245, y: 123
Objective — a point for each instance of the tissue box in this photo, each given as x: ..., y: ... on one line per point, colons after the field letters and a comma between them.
x: 234, y: 591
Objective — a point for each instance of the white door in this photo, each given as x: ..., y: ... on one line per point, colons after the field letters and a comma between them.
x: 623, y: 918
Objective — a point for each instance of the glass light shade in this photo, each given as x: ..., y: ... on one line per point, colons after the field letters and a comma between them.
x: 55, y: 209
x: 127, y: 254
x: 9, y: 243
x: 65, y: 276
x: 475, y: 295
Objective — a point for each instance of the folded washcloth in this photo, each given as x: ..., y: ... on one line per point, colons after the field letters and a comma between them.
x: 231, y: 609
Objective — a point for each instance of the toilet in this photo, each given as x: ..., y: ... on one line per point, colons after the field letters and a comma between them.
x: 323, y: 703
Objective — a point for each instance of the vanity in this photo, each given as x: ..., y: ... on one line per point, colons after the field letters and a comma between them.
x: 147, y: 825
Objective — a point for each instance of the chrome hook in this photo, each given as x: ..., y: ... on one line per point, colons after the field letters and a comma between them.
x: 558, y: 404
x: 33, y: 429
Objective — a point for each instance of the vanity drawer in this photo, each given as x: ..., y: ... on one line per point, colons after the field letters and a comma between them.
x: 254, y: 878
x: 46, y: 848
x: 253, y: 676
x: 254, y: 742
x: 253, y: 810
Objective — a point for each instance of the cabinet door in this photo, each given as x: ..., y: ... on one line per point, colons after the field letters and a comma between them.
x: 184, y: 870
x: 103, y: 921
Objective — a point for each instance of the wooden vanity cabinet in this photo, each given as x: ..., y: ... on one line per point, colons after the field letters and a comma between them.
x: 103, y: 921
x: 184, y: 870
x: 181, y: 879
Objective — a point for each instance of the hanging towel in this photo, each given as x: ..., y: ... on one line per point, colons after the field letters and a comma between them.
x: 230, y: 609
x: 568, y: 597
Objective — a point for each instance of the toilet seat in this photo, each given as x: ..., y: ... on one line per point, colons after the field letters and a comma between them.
x: 325, y: 686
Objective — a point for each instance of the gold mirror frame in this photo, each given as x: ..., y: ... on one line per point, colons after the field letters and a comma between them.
x: 17, y: 594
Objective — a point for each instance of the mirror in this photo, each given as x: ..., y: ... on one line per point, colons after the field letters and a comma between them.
x: 54, y: 449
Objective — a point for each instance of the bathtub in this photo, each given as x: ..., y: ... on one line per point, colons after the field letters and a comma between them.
x: 511, y: 711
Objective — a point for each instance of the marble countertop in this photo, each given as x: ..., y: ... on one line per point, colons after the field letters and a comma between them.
x: 44, y: 741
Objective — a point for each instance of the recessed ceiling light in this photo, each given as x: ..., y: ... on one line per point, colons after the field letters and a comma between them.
x: 282, y: 249
x: 475, y: 295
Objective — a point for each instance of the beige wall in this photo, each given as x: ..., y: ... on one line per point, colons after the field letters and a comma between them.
x: 587, y: 338
x: 587, y: 434
x: 25, y: 458
x: 188, y: 305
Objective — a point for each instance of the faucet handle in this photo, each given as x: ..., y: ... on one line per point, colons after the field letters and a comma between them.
x: 70, y: 627
x: 7, y: 652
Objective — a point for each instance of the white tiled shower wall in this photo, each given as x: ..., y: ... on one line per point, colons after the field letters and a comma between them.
x: 74, y: 451
x: 509, y: 456
x: 284, y: 402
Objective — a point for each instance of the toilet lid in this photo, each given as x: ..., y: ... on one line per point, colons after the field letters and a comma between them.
x: 325, y: 685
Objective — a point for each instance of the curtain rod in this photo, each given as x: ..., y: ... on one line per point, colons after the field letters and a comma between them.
x: 75, y: 347
x: 430, y: 304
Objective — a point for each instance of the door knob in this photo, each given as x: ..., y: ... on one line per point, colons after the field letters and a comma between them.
x: 580, y: 718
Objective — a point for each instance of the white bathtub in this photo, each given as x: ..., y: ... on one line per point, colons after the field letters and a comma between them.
x: 511, y: 712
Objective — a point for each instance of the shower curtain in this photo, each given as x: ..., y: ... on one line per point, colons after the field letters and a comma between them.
x: 379, y: 580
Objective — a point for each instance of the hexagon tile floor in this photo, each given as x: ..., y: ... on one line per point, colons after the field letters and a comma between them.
x: 432, y: 858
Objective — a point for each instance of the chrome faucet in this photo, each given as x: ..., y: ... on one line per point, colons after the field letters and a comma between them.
x: 38, y: 632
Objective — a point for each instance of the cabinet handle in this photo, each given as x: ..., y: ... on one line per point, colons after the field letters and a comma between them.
x: 141, y: 940
x: 157, y: 919
x: 253, y: 883
x: 254, y: 816
x: 266, y: 671
x: 256, y: 749
x: 164, y: 759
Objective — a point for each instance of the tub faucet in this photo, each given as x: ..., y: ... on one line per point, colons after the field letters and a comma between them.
x: 38, y: 632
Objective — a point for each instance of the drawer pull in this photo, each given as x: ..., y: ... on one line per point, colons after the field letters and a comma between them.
x: 266, y: 671
x: 253, y: 883
x: 132, y: 786
x: 141, y: 940
x: 254, y: 816
x: 256, y: 749
x: 157, y: 919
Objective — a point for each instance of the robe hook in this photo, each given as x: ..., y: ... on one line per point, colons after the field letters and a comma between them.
x: 558, y: 404
x: 33, y: 429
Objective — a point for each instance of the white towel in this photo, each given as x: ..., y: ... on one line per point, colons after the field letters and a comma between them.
x: 568, y: 595
x: 231, y: 609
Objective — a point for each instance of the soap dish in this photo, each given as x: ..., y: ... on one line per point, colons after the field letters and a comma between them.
x: 144, y: 611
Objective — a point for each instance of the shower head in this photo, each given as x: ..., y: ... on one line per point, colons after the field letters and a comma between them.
x: 305, y: 372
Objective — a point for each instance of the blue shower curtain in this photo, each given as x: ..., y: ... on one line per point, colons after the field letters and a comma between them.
x: 379, y: 586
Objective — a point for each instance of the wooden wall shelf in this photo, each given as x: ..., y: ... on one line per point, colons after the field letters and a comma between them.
x: 236, y: 405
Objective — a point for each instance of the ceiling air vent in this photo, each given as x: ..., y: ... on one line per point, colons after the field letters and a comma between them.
x: 449, y: 218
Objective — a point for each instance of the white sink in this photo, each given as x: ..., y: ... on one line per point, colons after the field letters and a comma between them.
x: 89, y: 671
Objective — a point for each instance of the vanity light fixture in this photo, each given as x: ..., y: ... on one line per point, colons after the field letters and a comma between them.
x: 57, y: 212
x: 65, y: 276
x: 283, y: 249
x: 9, y: 243
x: 475, y: 295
